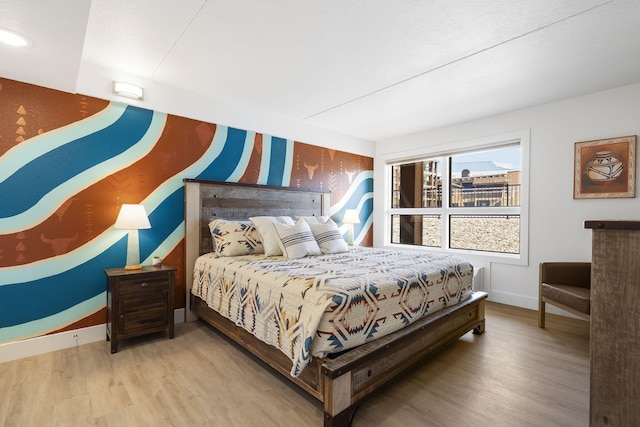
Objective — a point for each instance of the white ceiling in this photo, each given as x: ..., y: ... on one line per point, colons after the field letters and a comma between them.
x: 373, y: 69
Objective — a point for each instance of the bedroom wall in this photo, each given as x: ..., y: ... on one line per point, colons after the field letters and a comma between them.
x: 556, y: 222
x: 68, y: 162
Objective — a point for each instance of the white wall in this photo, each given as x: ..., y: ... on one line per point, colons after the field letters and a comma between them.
x: 97, y: 81
x: 556, y: 222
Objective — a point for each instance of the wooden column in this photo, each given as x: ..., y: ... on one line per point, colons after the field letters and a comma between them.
x: 615, y: 323
x: 411, y: 182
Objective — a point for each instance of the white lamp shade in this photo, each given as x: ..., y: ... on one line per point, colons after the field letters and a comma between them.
x: 132, y: 217
x: 351, y: 217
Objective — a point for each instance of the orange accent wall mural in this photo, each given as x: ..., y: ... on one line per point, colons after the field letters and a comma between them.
x: 67, y: 163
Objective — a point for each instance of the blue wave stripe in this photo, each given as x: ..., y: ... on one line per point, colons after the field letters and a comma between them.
x: 365, y: 214
x: 54, y: 322
x: 23, y: 153
x: 360, y: 198
x: 363, y: 190
x: 164, y: 220
x: 25, y: 302
x: 354, y: 188
x: 167, y: 245
x: 226, y: 162
x: 278, y: 161
x: 241, y: 167
x: 48, y: 171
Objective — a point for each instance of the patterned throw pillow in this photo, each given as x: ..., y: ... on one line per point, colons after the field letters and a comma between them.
x: 268, y: 235
x: 329, y: 238
x: 296, y: 241
x: 233, y: 238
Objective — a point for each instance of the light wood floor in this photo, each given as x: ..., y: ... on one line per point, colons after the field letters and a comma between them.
x: 514, y: 375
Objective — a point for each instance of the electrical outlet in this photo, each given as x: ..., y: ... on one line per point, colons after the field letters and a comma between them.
x: 75, y: 337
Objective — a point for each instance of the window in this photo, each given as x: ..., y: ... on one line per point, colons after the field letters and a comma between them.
x: 470, y: 199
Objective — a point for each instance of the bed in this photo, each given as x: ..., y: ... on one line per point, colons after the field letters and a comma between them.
x: 342, y: 373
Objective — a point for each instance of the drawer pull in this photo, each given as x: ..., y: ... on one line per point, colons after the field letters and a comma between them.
x: 144, y: 285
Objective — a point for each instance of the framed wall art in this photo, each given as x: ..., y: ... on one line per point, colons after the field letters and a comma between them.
x: 605, y: 168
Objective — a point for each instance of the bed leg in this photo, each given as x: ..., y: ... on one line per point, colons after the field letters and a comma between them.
x: 343, y: 419
x: 339, y: 405
x: 478, y: 330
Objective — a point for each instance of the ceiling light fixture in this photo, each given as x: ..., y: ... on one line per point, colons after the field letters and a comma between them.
x: 12, y: 38
x: 128, y: 90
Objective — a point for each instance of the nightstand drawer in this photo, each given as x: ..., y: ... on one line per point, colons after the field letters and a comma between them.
x: 145, y: 284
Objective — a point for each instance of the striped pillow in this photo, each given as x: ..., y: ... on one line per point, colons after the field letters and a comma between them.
x: 296, y: 241
x: 329, y: 238
x: 264, y: 224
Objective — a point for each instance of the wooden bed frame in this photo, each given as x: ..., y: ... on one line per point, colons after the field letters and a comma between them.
x: 340, y: 382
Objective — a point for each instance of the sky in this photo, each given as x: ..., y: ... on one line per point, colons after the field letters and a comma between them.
x: 508, y: 157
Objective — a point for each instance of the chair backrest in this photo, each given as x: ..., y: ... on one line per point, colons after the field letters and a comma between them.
x: 566, y: 273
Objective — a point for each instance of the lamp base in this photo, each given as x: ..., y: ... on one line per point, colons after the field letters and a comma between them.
x: 133, y: 251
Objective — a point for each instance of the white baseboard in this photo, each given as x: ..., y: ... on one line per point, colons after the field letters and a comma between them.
x: 526, y: 302
x: 513, y: 299
x: 178, y: 316
x: 47, y: 343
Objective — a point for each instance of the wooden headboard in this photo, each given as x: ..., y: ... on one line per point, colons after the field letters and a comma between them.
x: 206, y: 200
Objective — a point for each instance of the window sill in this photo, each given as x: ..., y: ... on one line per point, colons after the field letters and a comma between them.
x: 492, y: 257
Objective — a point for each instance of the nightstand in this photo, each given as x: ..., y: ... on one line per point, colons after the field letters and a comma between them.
x: 139, y: 302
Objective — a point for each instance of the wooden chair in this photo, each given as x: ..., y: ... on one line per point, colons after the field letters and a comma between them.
x: 566, y: 285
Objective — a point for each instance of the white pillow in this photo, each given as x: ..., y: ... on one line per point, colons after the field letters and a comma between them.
x: 324, y: 219
x: 329, y: 238
x: 296, y: 241
x: 233, y: 238
x: 268, y: 235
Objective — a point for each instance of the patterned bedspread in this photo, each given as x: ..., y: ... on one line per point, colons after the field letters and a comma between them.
x: 319, y: 305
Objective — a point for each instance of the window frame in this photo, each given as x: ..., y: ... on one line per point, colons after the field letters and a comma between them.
x: 442, y: 151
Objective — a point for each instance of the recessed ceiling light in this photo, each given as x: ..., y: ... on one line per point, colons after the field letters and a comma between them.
x: 12, y: 38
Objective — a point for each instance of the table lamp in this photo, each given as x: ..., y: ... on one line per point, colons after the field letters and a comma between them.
x: 350, y: 217
x: 132, y: 218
